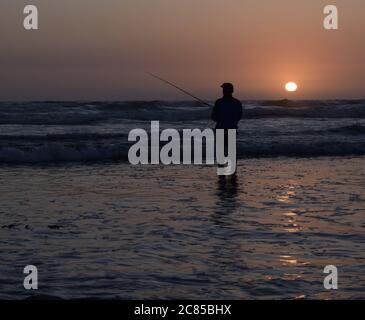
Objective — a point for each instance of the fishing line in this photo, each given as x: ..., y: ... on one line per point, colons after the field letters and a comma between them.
x: 182, y: 90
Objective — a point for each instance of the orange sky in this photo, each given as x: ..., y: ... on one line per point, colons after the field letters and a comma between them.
x: 91, y: 49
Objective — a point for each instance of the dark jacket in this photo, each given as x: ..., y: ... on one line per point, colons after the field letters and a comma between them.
x: 227, y: 112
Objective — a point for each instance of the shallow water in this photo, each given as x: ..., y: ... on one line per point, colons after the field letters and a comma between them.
x: 116, y: 231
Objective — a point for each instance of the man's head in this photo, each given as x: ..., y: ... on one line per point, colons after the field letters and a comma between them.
x: 228, y: 89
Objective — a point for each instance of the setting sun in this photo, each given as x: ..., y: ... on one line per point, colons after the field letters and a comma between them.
x: 291, y: 86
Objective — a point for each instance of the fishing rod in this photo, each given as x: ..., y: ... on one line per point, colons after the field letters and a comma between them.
x: 180, y: 89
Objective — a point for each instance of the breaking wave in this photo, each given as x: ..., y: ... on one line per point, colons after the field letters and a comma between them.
x: 48, y: 132
x: 93, y: 147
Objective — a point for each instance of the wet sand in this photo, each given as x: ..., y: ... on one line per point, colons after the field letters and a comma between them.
x: 179, y: 232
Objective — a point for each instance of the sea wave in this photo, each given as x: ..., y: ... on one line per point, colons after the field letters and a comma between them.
x: 83, y: 113
x: 47, y: 132
x: 53, y: 152
x: 44, y: 151
x: 352, y: 129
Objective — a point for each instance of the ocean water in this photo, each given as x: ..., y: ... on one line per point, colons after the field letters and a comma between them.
x: 97, y: 227
x: 48, y: 132
x: 178, y: 232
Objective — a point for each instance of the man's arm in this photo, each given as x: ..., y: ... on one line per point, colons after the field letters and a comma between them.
x: 214, y: 112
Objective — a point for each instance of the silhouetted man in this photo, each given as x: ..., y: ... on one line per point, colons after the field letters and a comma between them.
x: 227, y: 112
